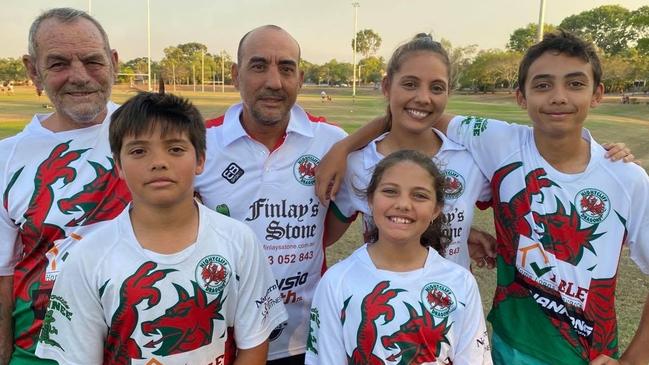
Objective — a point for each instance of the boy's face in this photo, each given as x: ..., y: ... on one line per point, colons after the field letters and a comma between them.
x: 558, y: 94
x: 159, y: 170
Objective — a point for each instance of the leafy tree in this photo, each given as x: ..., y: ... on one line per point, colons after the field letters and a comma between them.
x: 523, y: 38
x: 12, y: 69
x: 372, y: 69
x: 492, y: 69
x: 640, y: 20
x: 367, y: 42
x: 460, y: 58
x: 610, y: 27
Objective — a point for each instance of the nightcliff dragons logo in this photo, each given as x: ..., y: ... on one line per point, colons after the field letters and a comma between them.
x: 213, y: 272
x: 454, y: 184
x: 439, y: 299
x: 593, y: 204
x: 304, y: 169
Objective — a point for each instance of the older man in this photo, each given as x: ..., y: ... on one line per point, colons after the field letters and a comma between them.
x: 57, y: 179
x: 260, y: 169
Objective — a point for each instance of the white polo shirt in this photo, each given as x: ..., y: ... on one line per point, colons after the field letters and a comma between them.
x: 273, y: 193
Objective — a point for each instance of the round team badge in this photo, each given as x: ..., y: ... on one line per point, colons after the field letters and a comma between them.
x: 593, y: 205
x: 213, y: 273
x: 454, y: 184
x: 438, y: 299
x: 304, y: 169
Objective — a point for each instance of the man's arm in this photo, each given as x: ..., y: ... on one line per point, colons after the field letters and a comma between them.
x: 331, y: 169
x: 253, y: 356
x: 6, y: 328
x: 638, y: 352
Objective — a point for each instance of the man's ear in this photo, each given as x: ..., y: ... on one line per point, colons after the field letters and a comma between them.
x: 597, y: 95
x: 114, y: 59
x: 235, y: 75
x: 520, y: 99
x: 32, y: 72
x: 301, y: 78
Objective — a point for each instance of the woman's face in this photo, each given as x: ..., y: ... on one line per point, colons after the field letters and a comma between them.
x: 418, y: 92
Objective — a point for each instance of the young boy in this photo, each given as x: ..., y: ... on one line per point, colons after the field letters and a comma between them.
x: 168, y: 281
x: 562, y: 212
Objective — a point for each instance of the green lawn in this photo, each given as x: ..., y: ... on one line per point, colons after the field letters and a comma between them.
x: 610, y: 122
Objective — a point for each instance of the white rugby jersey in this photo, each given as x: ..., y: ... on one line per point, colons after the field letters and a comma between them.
x: 118, y: 303
x: 273, y: 193
x: 465, y: 185
x: 51, y: 184
x: 559, y: 241
x: 363, y: 315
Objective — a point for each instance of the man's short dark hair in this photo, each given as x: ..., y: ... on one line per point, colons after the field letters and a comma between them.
x: 561, y: 42
x: 141, y: 113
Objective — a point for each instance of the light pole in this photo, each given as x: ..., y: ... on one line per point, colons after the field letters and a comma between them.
x: 355, y: 5
x: 222, y: 71
x: 202, y: 70
x: 360, y: 78
x: 539, y: 30
x: 148, y: 41
x: 89, y: 7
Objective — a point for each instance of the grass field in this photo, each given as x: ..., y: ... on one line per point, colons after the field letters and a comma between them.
x: 611, y: 122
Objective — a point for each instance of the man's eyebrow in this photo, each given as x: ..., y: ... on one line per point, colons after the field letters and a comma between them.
x: 257, y: 59
x: 288, y: 62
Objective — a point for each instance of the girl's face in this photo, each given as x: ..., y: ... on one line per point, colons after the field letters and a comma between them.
x: 404, y: 203
x: 418, y: 92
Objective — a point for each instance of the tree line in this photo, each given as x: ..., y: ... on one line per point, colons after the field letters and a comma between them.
x: 621, y: 35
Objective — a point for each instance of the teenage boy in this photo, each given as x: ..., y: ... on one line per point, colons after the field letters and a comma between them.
x: 171, y: 282
x: 562, y: 213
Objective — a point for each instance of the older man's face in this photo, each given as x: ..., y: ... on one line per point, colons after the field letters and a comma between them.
x: 76, y: 71
x: 268, y: 77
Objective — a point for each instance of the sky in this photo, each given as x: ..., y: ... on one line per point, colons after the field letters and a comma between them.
x: 324, y: 28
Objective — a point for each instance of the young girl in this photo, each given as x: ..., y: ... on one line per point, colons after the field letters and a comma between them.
x: 395, y: 300
x: 417, y: 86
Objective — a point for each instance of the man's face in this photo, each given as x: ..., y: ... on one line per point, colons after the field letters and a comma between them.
x: 559, y: 93
x: 73, y: 67
x: 268, y: 77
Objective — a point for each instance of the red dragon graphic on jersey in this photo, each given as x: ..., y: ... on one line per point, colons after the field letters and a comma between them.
x: 511, y: 224
x: 37, y: 238
x: 419, y: 340
x: 213, y: 273
x: 373, y: 306
x: 97, y: 210
x: 307, y: 169
x: 120, y: 347
x: 561, y: 234
x: 30, y: 288
x: 439, y: 299
x: 187, y: 325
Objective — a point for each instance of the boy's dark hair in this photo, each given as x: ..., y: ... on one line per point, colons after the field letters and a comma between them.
x: 435, y: 235
x: 561, y: 42
x: 141, y: 113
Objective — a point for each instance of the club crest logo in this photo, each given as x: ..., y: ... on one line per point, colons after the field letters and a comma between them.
x: 454, y: 184
x: 593, y: 205
x: 213, y: 273
x: 304, y: 169
x: 438, y: 299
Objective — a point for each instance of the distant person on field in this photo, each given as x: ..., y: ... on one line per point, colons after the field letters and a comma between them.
x: 323, y: 96
x: 169, y: 280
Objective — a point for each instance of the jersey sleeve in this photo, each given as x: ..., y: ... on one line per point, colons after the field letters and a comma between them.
x: 259, y: 305
x: 325, y: 344
x: 638, y: 239
x: 473, y: 345
x: 488, y: 140
x: 10, y: 247
x: 74, y: 328
x: 347, y: 199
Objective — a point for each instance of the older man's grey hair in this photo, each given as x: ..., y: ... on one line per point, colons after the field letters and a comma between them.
x: 63, y: 15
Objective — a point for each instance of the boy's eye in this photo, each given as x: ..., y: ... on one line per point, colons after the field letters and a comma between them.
x: 542, y: 85
x: 177, y: 150
x: 136, y: 152
x: 576, y: 84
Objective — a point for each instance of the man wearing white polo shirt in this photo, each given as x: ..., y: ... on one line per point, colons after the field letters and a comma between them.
x: 262, y: 157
